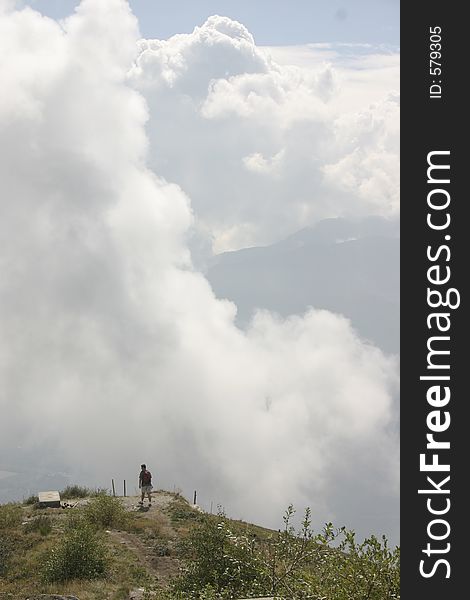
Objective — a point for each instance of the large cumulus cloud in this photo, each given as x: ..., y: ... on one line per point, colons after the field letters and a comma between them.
x: 113, y: 347
x: 221, y: 109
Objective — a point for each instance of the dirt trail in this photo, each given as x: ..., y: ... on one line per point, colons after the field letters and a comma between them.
x: 162, y: 568
x: 160, y: 500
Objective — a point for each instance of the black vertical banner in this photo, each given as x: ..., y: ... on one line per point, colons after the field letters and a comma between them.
x: 435, y: 247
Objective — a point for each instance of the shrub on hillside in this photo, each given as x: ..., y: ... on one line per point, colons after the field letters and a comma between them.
x: 180, y: 511
x: 290, y: 564
x: 10, y: 516
x: 79, y: 491
x: 369, y: 569
x: 31, y: 500
x: 41, y: 524
x: 157, y: 593
x: 6, y: 546
x: 106, y: 511
x: 218, y: 561
x: 80, y: 555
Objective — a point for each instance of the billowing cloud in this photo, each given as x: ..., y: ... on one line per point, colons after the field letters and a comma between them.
x: 221, y: 109
x: 114, y: 348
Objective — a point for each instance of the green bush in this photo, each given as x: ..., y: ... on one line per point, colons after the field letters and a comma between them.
x: 181, y: 512
x: 290, y: 564
x: 80, y: 555
x: 31, y: 500
x: 218, y: 561
x: 6, y: 546
x: 161, y: 549
x: 367, y: 570
x: 10, y: 516
x: 41, y: 524
x: 106, y: 511
x: 157, y: 593
x: 78, y: 491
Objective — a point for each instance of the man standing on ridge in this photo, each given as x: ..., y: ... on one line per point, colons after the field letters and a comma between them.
x: 145, y: 484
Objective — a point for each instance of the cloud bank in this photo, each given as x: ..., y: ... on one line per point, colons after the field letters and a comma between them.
x: 297, y: 147
x: 114, y: 349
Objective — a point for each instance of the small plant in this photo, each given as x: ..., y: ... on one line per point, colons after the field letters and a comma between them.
x: 180, y: 511
x: 161, y: 549
x: 5, y: 552
x: 41, y: 524
x: 80, y: 555
x: 31, y: 500
x: 369, y: 569
x: 10, y: 516
x: 106, y: 511
x: 78, y: 491
x: 157, y: 593
x: 218, y: 561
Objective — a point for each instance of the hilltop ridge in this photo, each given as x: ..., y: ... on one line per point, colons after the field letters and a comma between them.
x: 101, y: 547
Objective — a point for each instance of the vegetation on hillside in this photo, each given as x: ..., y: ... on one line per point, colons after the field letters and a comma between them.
x: 79, y: 491
x: 223, y: 563
x: 108, y: 547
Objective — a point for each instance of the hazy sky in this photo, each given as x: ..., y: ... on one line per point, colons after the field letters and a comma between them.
x: 121, y: 159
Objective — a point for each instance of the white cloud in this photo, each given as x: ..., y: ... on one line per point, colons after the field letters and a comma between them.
x: 113, y: 348
x: 6, y: 5
x: 222, y: 110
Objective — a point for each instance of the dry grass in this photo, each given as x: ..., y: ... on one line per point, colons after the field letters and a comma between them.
x: 124, y: 573
x: 30, y: 543
x: 143, y: 525
x: 10, y: 515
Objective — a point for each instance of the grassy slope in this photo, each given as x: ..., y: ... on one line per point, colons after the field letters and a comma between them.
x: 141, y: 553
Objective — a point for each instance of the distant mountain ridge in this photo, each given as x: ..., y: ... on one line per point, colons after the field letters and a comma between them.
x: 345, y: 266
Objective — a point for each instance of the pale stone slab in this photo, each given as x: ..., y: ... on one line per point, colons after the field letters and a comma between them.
x: 49, y: 499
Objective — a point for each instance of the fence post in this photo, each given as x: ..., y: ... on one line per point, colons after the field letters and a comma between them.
x: 195, y: 496
x: 124, y: 488
x: 114, y: 490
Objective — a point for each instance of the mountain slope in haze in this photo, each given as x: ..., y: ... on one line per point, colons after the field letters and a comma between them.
x: 348, y: 267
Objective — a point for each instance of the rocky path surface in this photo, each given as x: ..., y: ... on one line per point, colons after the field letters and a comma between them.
x: 160, y: 499
x: 162, y: 568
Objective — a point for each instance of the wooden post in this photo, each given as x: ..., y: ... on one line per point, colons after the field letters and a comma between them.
x: 211, y: 506
x: 114, y: 490
x: 195, y: 496
x: 124, y: 488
